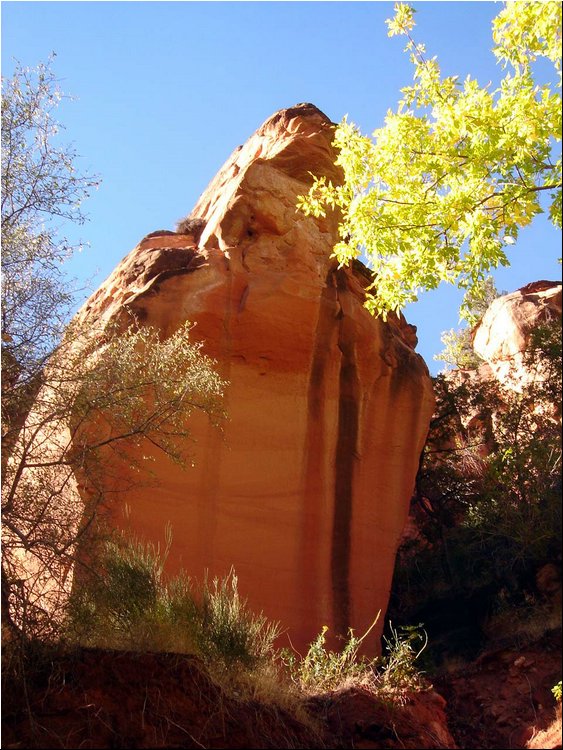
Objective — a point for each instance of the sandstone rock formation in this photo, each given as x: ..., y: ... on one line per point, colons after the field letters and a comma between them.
x: 306, y: 490
x: 502, y: 339
x: 502, y: 336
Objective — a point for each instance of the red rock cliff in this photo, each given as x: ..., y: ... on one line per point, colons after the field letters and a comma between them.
x: 307, y: 489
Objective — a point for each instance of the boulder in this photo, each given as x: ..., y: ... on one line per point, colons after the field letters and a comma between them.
x: 502, y: 336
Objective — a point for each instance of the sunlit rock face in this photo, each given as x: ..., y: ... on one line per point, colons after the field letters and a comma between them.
x: 503, y: 335
x: 305, y: 491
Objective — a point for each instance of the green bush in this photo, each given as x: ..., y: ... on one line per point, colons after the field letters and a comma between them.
x: 127, y: 604
x: 398, y: 673
x: 391, y: 675
x: 322, y: 670
x: 227, y: 631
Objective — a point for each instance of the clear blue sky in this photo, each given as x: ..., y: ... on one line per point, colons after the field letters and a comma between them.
x: 166, y: 90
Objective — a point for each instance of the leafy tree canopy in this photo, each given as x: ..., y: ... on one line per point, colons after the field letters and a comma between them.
x: 440, y: 191
x: 42, y: 188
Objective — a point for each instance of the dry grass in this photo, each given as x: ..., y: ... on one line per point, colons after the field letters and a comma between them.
x: 550, y: 737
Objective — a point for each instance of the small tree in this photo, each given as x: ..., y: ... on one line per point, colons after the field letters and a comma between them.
x: 41, y: 189
x: 522, y: 492
x: 95, y: 402
x: 458, y: 351
x: 444, y: 187
x: 72, y: 395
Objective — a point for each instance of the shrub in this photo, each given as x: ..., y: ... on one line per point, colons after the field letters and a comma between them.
x: 120, y: 600
x: 322, y: 670
x: 228, y: 632
x: 127, y: 604
x: 391, y: 676
x: 399, y: 674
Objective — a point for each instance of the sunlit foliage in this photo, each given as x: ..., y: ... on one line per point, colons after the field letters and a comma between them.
x: 439, y: 192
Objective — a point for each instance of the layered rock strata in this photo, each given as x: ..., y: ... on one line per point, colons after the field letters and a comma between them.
x: 306, y: 489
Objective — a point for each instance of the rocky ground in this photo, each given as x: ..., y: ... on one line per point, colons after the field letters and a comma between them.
x: 504, y: 698
x: 103, y: 699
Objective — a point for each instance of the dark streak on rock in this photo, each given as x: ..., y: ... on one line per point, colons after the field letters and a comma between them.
x: 172, y: 262
x: 243, y: 296
x: 346, y: 452
x: 315, y: 479
x: 322, y: 351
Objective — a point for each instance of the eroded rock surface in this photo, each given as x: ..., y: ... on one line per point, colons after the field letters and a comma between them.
x: 503, y: 335
x: 306, y: 490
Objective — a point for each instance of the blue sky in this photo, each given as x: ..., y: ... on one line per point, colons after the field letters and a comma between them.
x: 166, y: 90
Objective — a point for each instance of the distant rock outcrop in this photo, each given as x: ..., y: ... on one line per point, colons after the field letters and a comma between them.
x: 306, y: 490
x: 502, y: 336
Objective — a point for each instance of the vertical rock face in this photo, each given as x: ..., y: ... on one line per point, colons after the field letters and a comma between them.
x: 306, y: 490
